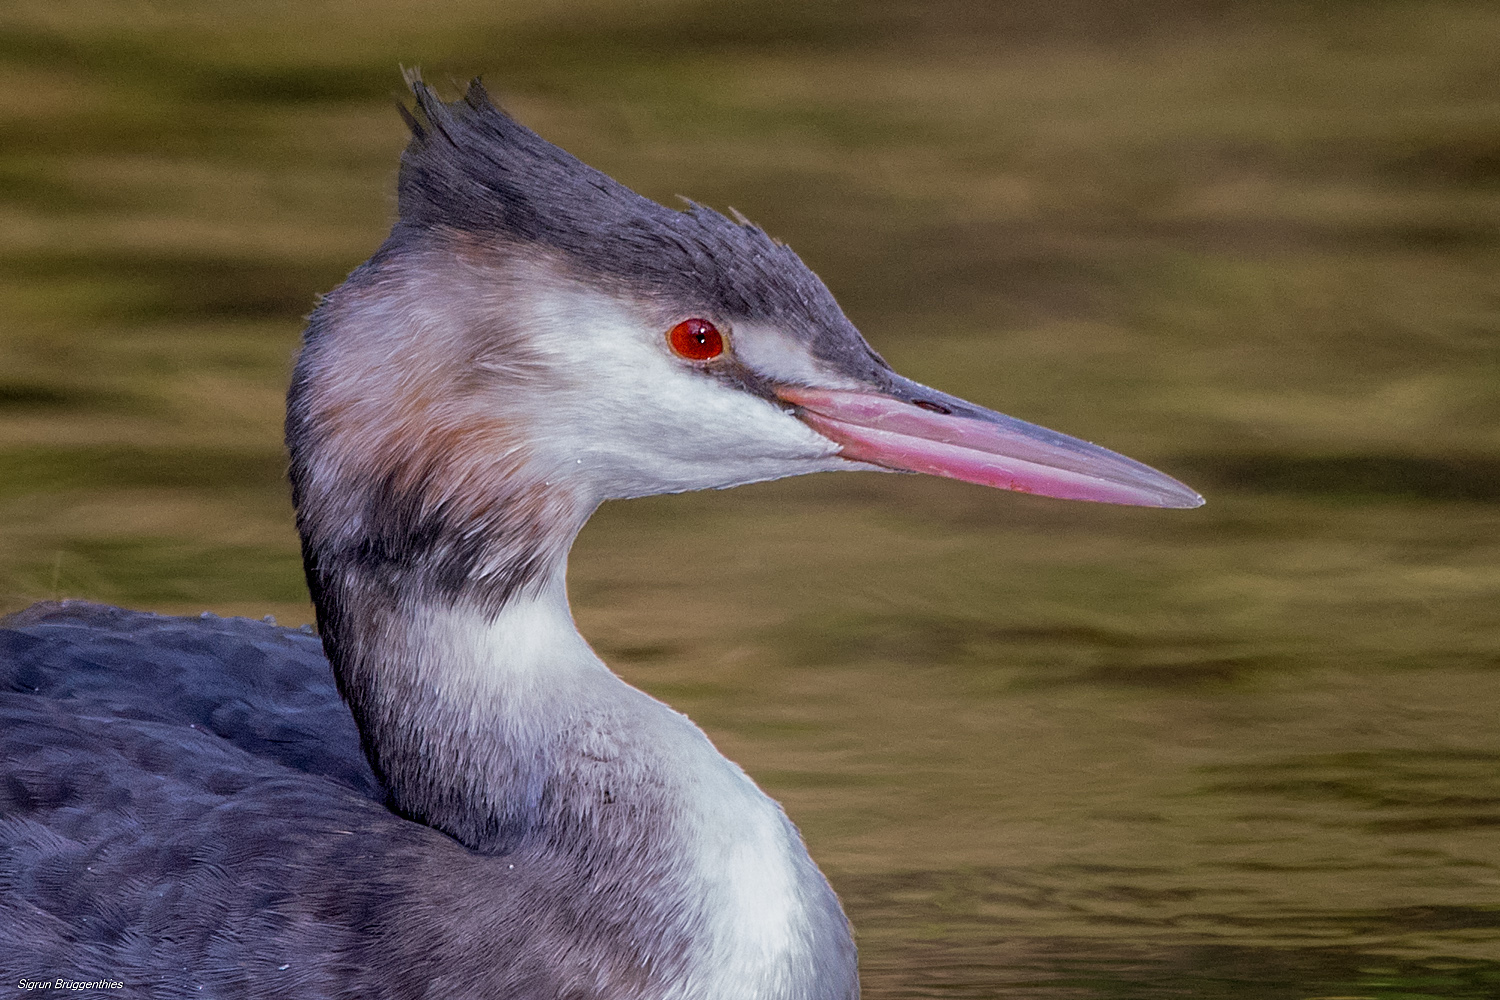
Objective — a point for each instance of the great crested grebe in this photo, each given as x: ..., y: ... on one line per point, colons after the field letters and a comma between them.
x: 184, y: 806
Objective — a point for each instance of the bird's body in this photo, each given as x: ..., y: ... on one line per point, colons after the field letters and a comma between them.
x: 186, y: 805
x: 198, y: 819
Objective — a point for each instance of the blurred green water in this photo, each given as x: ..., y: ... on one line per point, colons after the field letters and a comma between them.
x: 1043, y: 750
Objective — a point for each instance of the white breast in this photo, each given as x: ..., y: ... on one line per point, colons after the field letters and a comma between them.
x: 758, y: 933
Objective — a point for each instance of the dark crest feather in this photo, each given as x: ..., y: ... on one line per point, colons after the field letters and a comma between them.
x: 472, y: 168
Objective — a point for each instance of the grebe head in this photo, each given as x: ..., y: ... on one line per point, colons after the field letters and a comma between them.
x: 535, y: 338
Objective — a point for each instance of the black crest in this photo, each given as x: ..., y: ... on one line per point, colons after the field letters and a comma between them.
x: 471, y: 167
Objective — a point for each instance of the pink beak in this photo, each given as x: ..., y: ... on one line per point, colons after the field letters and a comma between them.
x: 945, y: 436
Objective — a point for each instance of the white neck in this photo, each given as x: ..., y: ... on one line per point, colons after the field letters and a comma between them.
x: 508, y: 732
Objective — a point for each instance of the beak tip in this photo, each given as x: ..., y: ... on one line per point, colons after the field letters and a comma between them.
x: 1180, y: 496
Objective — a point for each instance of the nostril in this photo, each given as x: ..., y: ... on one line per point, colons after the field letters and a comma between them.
x: 934, y: 407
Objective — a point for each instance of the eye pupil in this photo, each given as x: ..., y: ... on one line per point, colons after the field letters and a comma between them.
x: 696, y: 339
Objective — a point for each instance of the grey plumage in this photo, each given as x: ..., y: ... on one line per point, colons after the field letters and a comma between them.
x: 185, y: 809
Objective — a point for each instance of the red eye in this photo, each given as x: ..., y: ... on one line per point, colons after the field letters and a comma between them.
x: 696, y: 339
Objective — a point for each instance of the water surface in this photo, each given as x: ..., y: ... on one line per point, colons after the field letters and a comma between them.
x: 1043, y: 750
